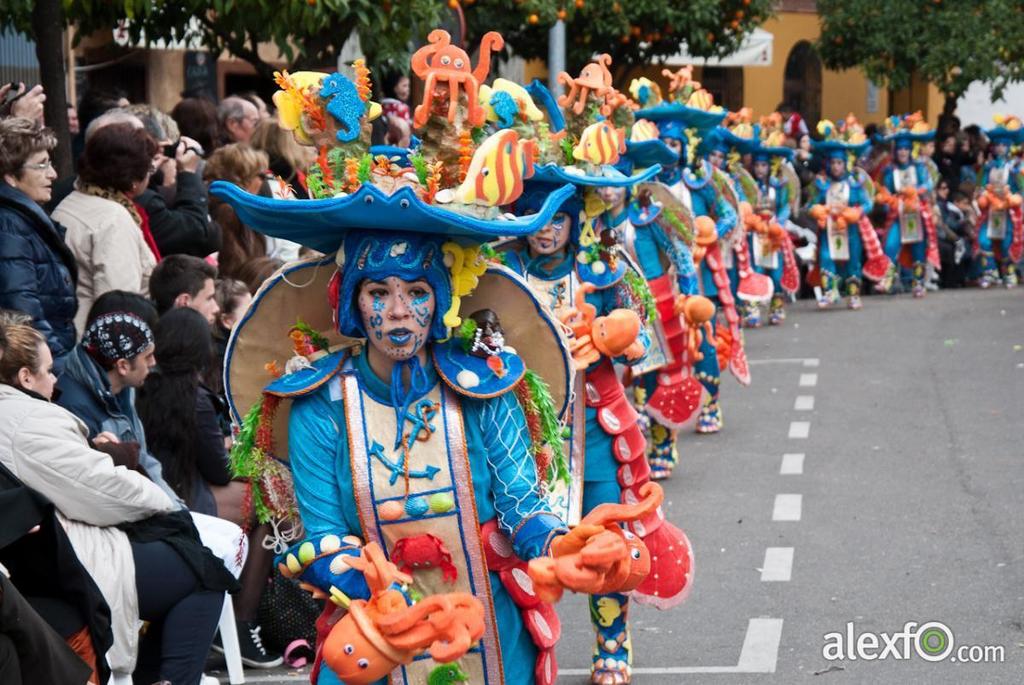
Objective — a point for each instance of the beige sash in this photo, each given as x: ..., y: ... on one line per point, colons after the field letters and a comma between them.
x: 440, y: 502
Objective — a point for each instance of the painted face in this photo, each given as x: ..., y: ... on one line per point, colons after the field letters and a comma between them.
x: 999, y: 149
x: 902, y: 155
x: 717, y: 158
x: 761, y: 169
x: 396, y: 315
x: 552, y: 238
x: 836, y: 167
x: 613, y: 197
x: 675, y: 145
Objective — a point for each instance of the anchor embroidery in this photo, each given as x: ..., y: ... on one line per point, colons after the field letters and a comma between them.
x: 421, y: 428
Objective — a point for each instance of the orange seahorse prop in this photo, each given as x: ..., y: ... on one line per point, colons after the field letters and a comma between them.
x: 378, y: 634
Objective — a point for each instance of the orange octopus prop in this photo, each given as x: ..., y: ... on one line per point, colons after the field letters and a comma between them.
x: 680, y: 78
x: 697, y: 311
x: 378, y: 634
x: 998, y: 198
x: 599, y: 555
x: 441, y: 62
x: 704, y: 235
x: 909, y: 195
x: 594, y: 78
x: 841, y: 216
x: 612, y: 335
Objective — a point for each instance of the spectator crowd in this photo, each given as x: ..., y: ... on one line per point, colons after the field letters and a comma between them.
x: 119, y: 288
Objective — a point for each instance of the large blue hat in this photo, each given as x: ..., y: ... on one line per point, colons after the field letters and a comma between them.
x: 647, y: 153
x: 835, y: 148
x: 689, y: 117
x: 323, y: 224
x: 1005, y: 136
x: 723, y: 140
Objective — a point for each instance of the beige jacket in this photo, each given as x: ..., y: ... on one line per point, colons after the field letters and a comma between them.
x: 45, y: 446
x: 108, y: 246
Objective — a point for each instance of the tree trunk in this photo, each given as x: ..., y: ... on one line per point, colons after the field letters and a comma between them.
x: 47, y: 27
x: 947, y: 120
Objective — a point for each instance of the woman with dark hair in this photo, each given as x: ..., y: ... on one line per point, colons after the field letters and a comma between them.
x: 197, y: 119
x: 146, y: 559
x: 243, y: 165
x: 37, y: 270
x: 106, y: 230
x: 180, y: 415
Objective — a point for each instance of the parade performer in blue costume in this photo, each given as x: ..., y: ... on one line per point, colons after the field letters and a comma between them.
x: 907, y: 189
x: 421, y: 431
x: 840, y: 200
x: 776, y: 192
x: 687, y: 115
x: 1000, y: 242
x: 727, y: 145
x: 575, y: 265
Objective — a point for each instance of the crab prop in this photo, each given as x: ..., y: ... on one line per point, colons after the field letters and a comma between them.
x: 440, y: 62
x: 599, y: 556
x: 378, y: 634
x: 594, y: 78
x: 422, y: 552
x: 613, y: 335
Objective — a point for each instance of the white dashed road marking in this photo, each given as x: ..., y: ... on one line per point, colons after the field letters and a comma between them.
x: 808, y: 380
x: 812, y: 362
x: 799, y: 430
x: 787, y: 508
x: 804, y: 403
x: 760, y: 654
x: 792, y: 465
x: 778, y: 564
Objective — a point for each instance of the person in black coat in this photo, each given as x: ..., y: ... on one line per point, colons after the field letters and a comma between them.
x: 37, y: 270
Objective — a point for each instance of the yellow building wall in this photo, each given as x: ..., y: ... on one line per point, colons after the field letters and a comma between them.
x: 842, y: 92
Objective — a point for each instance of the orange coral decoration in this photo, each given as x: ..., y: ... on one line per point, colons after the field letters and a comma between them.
x: 465, y: 153
x: 594, y: 78
x: 441, y: 62
x: 352, y: 182
x: 310, y: 107
x: 325, y: 166
x: 363, y: 86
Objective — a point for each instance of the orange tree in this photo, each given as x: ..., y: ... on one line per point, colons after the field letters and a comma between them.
x: 948, y: 43
x: 633, y: 32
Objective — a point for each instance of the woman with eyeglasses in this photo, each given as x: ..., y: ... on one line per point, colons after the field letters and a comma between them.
x: 37, y: 270
x: 107, y: 230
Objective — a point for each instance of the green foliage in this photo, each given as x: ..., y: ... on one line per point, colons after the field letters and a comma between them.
x: 315, y: 337
x: 309, y: 33
x: 419, y: 164
x: 633, y: 32
x: 550, y: 428
x: 364, y: 168
x: 641, y: 292
x: 465, y: 334
x: 948, y: 43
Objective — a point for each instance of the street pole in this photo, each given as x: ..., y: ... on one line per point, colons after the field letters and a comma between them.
x: 556, y: 56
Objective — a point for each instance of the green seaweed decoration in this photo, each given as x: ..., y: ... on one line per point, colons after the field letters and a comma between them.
x: 365, y: 165
x: 642, y: 293
x: 270, y: 493
x: 550, y: 429
x: 315, y: 337
x: 567, y: 147
x: 315, y: 183
x: 466, y: 333
x: 419, y: 165
x: 678, y: 225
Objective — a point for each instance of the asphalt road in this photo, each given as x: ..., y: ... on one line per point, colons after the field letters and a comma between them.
x: 890, y: 440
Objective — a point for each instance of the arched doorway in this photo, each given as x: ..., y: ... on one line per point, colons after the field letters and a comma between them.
x: 802, y: 86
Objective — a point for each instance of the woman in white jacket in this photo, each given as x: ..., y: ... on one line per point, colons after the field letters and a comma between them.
x: 46, y: 447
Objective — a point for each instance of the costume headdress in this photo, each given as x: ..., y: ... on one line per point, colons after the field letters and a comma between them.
x: 426, y: 215
x: 906, y: 130
x: 1007, y: 130
x: 841, y: 141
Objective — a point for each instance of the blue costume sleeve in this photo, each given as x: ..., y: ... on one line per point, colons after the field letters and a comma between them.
x: 314, y: 436
x: 782, y: 205
x: 726, y: 215
x: 521, y: 513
